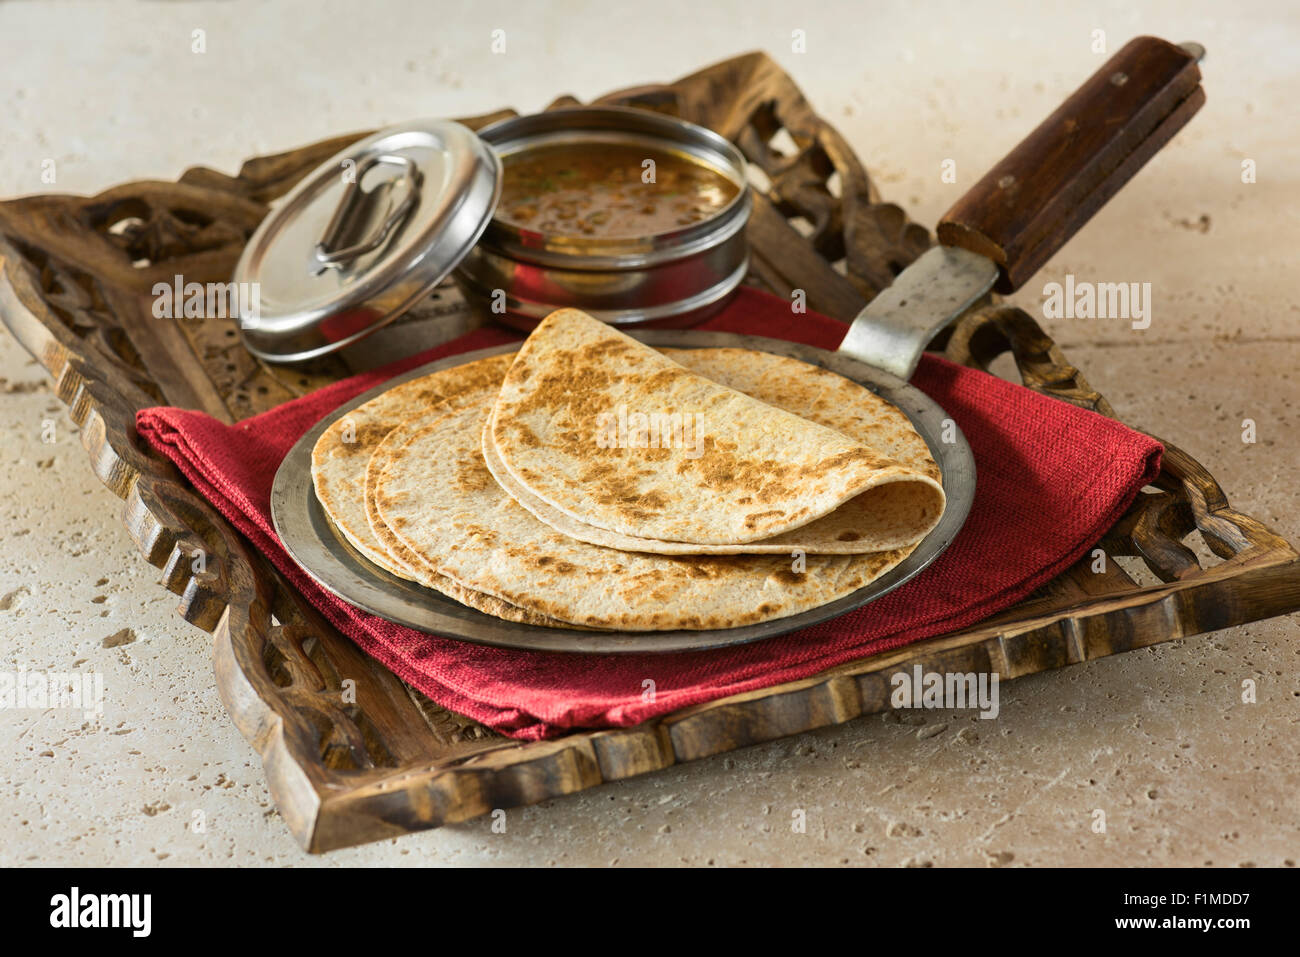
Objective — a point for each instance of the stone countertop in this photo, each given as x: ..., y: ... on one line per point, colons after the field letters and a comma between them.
x: 1159, y: 740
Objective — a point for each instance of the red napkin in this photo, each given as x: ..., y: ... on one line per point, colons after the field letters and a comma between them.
x: 1052, y: 478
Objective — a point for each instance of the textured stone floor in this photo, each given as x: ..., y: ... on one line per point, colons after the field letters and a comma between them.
x: 1159, y: 739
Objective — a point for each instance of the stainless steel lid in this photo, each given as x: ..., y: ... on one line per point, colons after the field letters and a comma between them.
x: 364, y: 237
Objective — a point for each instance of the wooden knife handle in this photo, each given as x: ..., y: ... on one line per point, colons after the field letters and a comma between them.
x: 1029, y: 204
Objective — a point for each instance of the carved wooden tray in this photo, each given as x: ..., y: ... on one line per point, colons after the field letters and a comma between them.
x: 76, y: 276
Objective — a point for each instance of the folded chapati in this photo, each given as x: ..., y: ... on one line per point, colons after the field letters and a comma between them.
x: 620, y: 437
x: 891, y: 515
x: 438, y: 499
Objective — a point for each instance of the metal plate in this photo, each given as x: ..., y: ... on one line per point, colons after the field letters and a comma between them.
x: 311, y: 540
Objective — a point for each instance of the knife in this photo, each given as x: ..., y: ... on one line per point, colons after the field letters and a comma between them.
x: 1024, y: 209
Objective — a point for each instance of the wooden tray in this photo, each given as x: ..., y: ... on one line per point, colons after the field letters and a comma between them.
x: 76, y: 276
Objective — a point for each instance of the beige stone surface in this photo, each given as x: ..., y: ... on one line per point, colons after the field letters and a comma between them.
x: 1159, y: 739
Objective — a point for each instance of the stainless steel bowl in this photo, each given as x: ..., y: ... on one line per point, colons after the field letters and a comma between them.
x: 673, y: 279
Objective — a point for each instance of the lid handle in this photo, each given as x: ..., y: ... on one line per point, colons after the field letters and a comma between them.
x: 363, y: 221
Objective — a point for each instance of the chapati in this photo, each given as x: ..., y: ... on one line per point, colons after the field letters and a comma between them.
x: 437, y: 497
x: 338, y: 470
x: 621, y: 437
x: 888, y: 516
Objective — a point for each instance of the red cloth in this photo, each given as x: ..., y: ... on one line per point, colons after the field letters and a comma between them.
x: 1052, y: 478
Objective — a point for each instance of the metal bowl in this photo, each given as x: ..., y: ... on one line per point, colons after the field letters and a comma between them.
x: 675, y: 278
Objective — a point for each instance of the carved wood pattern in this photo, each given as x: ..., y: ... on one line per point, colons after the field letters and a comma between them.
x: 75, y: 278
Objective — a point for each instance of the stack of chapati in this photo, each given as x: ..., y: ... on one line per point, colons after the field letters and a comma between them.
x: 591, y: 481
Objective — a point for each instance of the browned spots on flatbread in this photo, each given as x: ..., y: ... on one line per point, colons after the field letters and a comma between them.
x: 645, y: 579
x: 482, y: 534
x: 663, y: 378
x: 614, y: 489
x: 758, y: 519
x: 571, y: 387
x: 471, y: 474
x: 599, y: 470
x: 767, y: 480
x: 554, y: 564
x: 367, y: 437
x: 526, y: 435
x: 605, y: 348
x: 847, y: 536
